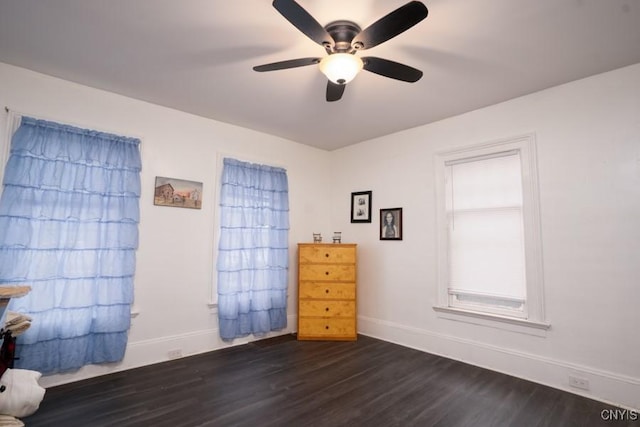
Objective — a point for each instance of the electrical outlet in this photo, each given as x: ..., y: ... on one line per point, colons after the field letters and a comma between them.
x: 174, y: 354
x: 578, y: 382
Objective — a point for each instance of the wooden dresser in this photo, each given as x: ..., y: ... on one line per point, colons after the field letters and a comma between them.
x: 327, y: 291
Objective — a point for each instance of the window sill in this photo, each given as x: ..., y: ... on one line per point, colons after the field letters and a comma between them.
x: 512, y: 324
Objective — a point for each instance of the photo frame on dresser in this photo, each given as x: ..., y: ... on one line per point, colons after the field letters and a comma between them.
x: 361, y: 206
x: 391, y: 224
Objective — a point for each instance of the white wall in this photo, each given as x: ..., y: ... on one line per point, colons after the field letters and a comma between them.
x: 588, y: 140
x: 175, y: 266
x: 588, y: 146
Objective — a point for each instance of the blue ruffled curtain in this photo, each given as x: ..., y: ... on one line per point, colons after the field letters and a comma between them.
x: 69, y: 218
x: 253, y: 256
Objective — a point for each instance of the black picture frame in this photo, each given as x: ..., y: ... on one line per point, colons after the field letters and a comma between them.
x: 361, y: 206
x: 394, y: 233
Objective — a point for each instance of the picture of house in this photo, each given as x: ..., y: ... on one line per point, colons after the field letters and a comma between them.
x: 164, y: 192
x: 178, y: 192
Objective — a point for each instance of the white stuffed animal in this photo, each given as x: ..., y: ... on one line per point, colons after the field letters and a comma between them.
x: 20, y: 393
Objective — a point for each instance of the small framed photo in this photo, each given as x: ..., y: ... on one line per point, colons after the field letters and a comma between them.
x: 361, y: 206
x: 391, y: 224
x: 177, y: 193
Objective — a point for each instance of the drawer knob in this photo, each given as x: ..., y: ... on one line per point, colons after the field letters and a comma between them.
x: 327, y: 255
x: 326, y: 309
x: 326, y: 272
x: 327, y: 327
x: 326, y: 291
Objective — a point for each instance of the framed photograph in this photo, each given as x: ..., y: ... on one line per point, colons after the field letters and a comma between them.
x: 391, y: 224
x: 361, y: 206
x: 178, y: 193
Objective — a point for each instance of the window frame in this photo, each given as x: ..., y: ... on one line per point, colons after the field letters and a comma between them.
x: 534, y: 315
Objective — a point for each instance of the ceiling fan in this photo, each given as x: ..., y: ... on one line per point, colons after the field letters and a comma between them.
x: 342, y: 39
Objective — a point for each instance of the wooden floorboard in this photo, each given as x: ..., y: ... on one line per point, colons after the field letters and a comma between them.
x: 285, y: 382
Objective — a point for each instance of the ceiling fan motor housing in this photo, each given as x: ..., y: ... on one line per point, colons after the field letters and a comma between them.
x: 342, y: 33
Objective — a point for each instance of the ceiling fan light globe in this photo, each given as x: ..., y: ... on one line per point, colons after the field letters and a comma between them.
x: 341, y: 68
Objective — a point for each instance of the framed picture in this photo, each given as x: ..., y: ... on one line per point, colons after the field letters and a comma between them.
x: 391, y: 224
x: 178, y: 193
x: 361, y: 206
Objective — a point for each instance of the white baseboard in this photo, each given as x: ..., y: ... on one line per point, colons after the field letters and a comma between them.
x: 149, y: 352
x: 608, y: 387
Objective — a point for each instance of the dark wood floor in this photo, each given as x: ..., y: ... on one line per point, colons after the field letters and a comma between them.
x: 284, y: 382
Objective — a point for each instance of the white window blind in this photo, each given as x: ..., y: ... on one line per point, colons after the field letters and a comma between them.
x: 484, y: 210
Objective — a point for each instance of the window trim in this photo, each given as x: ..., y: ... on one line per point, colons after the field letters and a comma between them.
x: 525, y: 145
x: 512, y: 324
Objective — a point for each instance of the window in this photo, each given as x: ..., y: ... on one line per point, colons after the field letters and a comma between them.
x: 253, y: 251
x: 488, y: 232
x: 69, y: 216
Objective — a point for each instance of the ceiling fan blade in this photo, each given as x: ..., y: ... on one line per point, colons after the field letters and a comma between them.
x: 391, y: 69
x: 391, y: 25
x: 283, y: 65
x: 303, y: 21
x: 334, y: 91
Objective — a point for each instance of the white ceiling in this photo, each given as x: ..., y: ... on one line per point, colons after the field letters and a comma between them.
x: 197, y: 56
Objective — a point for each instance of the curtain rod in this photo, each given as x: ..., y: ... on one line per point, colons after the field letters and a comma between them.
x: 36, y: 116
x: 70, y: 123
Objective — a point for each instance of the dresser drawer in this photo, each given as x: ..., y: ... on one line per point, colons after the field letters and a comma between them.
x: 333, y: 272
x: 327, y: 308
x: 327, y: 290
x: 336, y: 327
x: 329, y: 254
